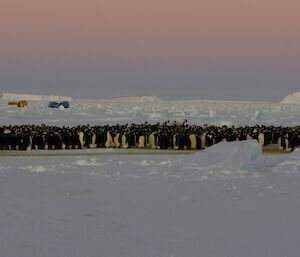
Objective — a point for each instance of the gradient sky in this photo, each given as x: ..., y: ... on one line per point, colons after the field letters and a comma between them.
x: 175, y: 49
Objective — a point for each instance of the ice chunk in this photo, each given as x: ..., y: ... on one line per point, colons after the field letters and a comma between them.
x: 32, y: 168
x: 91, y: 162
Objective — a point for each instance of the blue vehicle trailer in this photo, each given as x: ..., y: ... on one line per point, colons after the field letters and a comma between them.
x: 56, y: 105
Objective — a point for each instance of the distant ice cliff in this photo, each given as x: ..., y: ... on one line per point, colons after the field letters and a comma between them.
x: 28, y: 97
x: 34, y: 97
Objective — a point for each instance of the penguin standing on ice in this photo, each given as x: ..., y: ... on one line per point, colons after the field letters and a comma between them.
x: 124, y: 142
x: 81, y: 139
x: 131, y: 139
x: 152, y: 140
x: 141, y: 141
x: 261, y: 138
x: 1, y: 139
x: 23, y: 141
x: 203, y: 140
x: 38, y: 141
x: 287, y: 138
x: 109, y: 140
x: 209, y: 139
x: 295, y: 139
x: 7, y: 137
x: 93, y: 143
x: 116, y: 140
x: 101, y: 137
x: 193, y: 141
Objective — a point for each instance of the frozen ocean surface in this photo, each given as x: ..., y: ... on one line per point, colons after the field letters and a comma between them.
x: 228, y: 200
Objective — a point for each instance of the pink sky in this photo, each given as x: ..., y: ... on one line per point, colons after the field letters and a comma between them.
x: 171, y: 35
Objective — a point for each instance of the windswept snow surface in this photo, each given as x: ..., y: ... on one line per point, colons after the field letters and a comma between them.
x: 228, y: 200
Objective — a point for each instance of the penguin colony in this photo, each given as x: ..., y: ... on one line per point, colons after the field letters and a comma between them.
x: 177, y: 136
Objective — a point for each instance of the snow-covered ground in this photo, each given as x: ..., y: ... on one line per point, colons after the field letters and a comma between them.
x: 229, y: 200
x: 127, y: 111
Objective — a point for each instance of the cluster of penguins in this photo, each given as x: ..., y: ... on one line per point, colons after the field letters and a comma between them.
x: 165, y: 135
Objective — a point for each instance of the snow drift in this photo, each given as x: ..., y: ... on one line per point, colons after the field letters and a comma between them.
x: 290, y: 165
x: 232, y: 157
x: 292, y: 99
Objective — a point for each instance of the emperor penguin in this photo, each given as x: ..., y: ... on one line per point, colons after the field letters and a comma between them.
x: 109, y: 141
x: 141, y: 143
x: 203, y: 139
x: 124, y: 143
x: 279, y: 142
x: 193, y: 141
x: 45, y: 140
x: 175, y: 144
x: 261, y: 138
x: 29, y: 147
x: 93, y: 144
x: 287, y: 143
x: 116, y: 140
x: 81, y: 136
x: 152, y: 141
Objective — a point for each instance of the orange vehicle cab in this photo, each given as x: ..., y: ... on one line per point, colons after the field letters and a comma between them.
x: 22, y: 104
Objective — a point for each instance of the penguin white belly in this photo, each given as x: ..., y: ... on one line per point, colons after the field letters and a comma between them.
x: 141, y: 142
x: 116, y: 140
x: 30, y: 144
x: 124, y: 142
x: 152, y: 141
x: 93, y: 144
x: 203, y: 140
x: 287, y: 143
x: 81, y: 135
x: 109, y: 141
x: 261, y: 138
x: 279, y: 143
x: 193, y: 141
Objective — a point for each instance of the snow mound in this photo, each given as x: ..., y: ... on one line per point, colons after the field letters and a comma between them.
x: 227, y: 157
x: 292, y: 99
